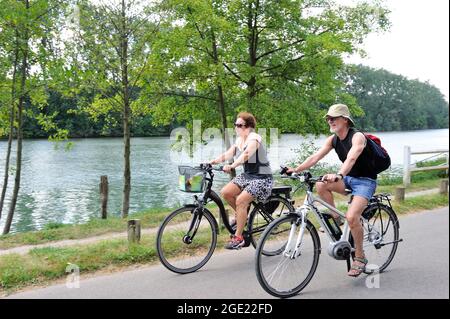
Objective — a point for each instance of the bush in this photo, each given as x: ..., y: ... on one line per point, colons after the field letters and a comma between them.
x: 306, y: 149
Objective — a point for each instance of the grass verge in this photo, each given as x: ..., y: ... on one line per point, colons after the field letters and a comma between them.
x: 95, y: 227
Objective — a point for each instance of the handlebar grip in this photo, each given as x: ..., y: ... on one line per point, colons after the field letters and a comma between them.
x: 284, y: 171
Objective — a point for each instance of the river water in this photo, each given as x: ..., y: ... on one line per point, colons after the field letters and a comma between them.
x: 63, y: 186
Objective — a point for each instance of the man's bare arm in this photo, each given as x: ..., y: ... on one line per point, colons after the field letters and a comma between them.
x: 313, y: 159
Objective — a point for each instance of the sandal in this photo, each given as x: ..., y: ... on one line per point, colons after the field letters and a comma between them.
x: 357, y: 270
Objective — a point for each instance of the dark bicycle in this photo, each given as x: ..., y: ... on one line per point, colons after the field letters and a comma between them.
x: 187, y: 237
x: 297, y: 243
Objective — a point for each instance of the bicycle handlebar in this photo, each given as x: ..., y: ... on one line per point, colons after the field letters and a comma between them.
x: 209, y: 167
x: 303, y: 177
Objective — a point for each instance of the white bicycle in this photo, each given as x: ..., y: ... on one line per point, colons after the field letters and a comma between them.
x: 295, y: 243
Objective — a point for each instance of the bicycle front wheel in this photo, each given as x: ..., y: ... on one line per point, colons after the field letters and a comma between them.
x: 186, y: 240
x: 381, y: 235
x: 285, y: 275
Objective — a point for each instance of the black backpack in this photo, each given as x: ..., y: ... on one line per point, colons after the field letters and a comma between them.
x: 380, y: 160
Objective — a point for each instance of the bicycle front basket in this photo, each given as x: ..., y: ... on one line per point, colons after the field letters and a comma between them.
x: 191, y: 180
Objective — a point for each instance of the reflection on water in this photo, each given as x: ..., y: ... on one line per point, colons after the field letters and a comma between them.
x: 63, y: 186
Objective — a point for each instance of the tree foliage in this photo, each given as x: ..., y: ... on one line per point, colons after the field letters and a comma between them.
x: 276, y: 59
x: 392, y: 102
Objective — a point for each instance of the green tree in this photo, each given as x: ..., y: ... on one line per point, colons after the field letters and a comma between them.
x: 26, y: 28
x: 8, y: 91
x: 276, y: 59
x: 391, y: 102
x: 115, y: 41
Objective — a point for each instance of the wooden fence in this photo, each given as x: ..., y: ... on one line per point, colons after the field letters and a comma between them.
x: 408, y: 168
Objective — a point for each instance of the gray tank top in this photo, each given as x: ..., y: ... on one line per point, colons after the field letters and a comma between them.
x: 257, y: 166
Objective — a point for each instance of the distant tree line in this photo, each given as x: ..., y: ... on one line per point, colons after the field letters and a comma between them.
x: 80, y: 124
x: 391, y: 102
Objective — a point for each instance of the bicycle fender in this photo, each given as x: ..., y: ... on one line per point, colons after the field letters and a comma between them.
x: 386, y: 207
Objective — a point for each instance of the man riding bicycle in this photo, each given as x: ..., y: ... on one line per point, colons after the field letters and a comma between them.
x: 354, y: 174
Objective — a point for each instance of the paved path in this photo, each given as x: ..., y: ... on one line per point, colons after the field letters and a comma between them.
x: 419, y: 270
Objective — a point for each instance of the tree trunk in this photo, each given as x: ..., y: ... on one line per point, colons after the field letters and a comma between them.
x: 221, y: 105
x: 252, y: 20
x: 126, y: 115
x: 223, y: 115
x: 24, y: 70
x: 11, y: 124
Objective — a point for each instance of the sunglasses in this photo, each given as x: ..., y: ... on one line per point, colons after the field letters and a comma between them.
x: 239, y: 125
x: 332, y: 119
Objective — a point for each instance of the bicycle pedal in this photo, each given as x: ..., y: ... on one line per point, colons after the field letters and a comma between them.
x: 247, y: 241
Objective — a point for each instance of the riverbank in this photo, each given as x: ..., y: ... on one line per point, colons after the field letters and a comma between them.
x: 112, y: 252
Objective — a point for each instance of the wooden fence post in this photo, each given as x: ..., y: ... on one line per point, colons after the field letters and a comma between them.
x: 134, y: 231
x: 104, y: 195
x: 446, y: 162
x: 406, y: 166
x: 400, y: 194
x: 443, y: 187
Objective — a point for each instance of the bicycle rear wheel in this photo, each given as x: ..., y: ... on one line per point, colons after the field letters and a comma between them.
x: 381, y: 235
x: 183, y: 252
x: 263, y: 214
x: 280, y: 275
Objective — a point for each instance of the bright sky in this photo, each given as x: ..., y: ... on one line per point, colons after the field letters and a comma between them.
x: 417, y: 45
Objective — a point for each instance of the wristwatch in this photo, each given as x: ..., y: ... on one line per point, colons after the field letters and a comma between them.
x: 339, y: 174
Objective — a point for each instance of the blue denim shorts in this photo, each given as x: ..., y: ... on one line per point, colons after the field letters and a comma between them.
x: 361, y: 186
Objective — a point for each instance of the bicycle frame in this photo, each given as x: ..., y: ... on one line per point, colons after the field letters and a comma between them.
x: 303, y: 212
x: 310, y: 199
x: 202, y: 199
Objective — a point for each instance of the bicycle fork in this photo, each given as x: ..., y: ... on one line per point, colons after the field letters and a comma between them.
x: 193, y: 227
x: 293, y: 245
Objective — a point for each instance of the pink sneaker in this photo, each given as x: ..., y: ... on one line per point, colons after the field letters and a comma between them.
x: 236, y: 242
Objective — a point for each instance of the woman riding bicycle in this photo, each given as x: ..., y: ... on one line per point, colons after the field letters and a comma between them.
x: 255, y: 182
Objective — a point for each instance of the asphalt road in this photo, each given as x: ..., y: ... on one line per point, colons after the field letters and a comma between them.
x: 420, y: 269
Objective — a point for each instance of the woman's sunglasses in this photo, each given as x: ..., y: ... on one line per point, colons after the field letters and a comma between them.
x: 239, y: 125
